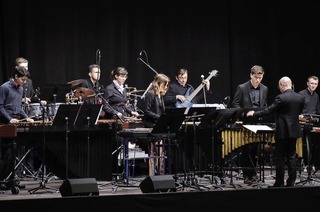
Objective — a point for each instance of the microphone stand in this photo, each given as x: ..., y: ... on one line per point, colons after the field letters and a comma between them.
x: 115, y: 127
x: 147, y: 64
x: 43, y: 165
x: 204, y: 96
x: 144, y: 94
x: 204, y: 92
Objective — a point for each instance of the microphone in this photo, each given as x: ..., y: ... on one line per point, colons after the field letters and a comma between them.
x: 225, y: 101
x: 202, y: 77
x: 140, y: 55
x: 99, y: 57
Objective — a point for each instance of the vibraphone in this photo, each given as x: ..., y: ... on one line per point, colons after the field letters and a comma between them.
x: 238, y: 137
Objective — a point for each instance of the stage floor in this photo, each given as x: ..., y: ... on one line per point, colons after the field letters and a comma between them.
x: 48, y: 187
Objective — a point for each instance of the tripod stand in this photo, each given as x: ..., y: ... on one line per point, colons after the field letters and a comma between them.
x: 223, y: 118
x: 190, y: 179
x: 44, y: 176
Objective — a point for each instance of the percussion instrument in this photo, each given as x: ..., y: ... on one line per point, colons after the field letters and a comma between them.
x: 33, y: 109
x: 33, y: 123
x: 75, y: 82
x: 84, y: 93
x: 52, y: 109
x: 241, y: 137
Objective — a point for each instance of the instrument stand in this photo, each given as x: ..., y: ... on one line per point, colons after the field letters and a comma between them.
x: 67, y: 147
x: 309, y: 180
x: 219, y: 119
x: 88, y: 147
x: 231, y: 184
x: 11, y: 182
x: 189, y: 179
x: 44, y: 177
x: 261, y: 181
x: 24, y: 167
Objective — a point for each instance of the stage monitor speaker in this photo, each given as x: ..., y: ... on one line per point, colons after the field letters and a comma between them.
x: 79, y: 187
x: 158, y: 183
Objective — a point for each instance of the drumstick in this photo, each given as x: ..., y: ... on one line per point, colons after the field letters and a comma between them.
x: 28, y: 118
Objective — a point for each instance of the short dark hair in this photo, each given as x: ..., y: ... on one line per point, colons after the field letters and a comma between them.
x: 21, y: 71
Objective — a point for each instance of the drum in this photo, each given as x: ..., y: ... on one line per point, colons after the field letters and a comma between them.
x: 34, y: 110
x: 52, y: 109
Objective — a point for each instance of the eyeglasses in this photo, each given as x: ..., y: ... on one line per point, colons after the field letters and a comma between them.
x: 123, y: 76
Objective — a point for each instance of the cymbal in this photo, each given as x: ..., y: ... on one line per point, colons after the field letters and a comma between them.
x: 130, y: 88
x: 135, y: 91
x: 76, y: 82
x: 84, y: 93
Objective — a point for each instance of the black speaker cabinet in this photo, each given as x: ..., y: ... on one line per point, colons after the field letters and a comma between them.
x: 158, y: 183
x: 79, y: 187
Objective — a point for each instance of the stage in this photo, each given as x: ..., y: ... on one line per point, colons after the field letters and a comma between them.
x: 191, y: 192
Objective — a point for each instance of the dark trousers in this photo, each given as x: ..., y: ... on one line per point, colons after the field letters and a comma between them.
x: 285, y: 153
x: 248, y: 159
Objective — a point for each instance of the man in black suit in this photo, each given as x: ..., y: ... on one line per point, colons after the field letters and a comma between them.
x: 251, y: 94
x: 287, y: 107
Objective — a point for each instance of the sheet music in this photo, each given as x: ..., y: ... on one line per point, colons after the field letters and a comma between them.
x: 255, y: 128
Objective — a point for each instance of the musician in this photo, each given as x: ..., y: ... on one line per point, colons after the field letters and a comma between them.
x: 116, y: 103
x: 179, y: 90
x: 11, y: 93
x: 251, y: 94
x: 287, y: 107
x: 92, y: 82
x: 311, y: 97
x: 28, y: 90
x: 153, y: 108
x: 312, y: 108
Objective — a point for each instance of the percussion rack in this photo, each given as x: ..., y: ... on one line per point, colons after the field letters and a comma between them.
x: 308, y: 128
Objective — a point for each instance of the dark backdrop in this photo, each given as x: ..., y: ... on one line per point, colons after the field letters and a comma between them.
x: 61, y: 38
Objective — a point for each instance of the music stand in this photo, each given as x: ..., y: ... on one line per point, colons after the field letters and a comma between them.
x: 222, y: 118
x: 166, y: 127
x: 194, y: 114
x: 260, y: 129
x: 88, y: 115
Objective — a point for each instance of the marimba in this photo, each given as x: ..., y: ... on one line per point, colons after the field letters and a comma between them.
x: 241, y: 137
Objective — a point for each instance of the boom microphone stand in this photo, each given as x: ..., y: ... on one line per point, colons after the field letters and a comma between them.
x: 146, y: 63
x: 43, y: 165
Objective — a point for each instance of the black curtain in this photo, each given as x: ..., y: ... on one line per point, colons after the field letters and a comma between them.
x: 61, y: 39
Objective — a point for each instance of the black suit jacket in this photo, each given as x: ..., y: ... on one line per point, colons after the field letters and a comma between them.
x: 116, y: 102
x: 287, y: 108
x: 242, y: 98
x: 153, y: 109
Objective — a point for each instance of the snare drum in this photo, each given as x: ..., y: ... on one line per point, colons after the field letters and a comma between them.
x: 34, y: 109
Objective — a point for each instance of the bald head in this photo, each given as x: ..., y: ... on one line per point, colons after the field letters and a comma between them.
x: 285, y: 83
